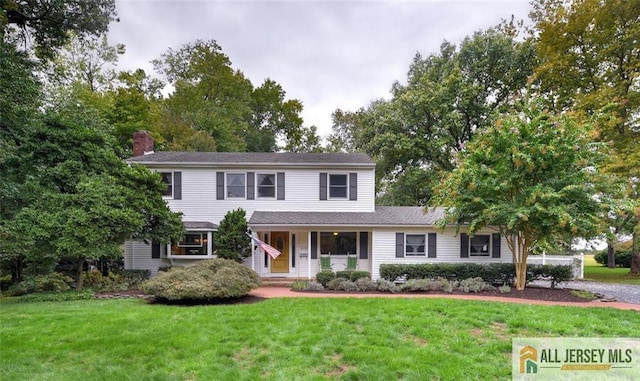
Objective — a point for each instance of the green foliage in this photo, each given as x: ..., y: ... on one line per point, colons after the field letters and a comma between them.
x: 313, y: 286
x: 115, y: 281
x: 365, y: 284
x: 386, y: 286
x: 204, y: 280
x: 48, y: 24
x: 622, y: 254
x: 353, y: 275
x: 132, y: 277
x: 56, y: 282
x: 324, y: 277
x: 63, y: 296
x: 504, y: 289
x: 231, y: 239
x: 474, y: 285
x: 493, y: 273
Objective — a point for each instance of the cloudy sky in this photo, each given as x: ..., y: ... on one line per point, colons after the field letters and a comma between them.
x: 327, y: 54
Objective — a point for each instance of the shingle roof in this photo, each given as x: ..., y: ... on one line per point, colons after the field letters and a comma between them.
x: 262, y: 158
x: 383, y: 216
x: 200, y: 225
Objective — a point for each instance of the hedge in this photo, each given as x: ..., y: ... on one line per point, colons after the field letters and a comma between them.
x: 493, y: 273
x: 622, y: 255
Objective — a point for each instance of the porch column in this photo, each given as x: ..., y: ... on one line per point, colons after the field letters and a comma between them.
x: 309, y: 254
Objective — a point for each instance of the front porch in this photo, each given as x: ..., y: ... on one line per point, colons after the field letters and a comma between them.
x: 301, y: 250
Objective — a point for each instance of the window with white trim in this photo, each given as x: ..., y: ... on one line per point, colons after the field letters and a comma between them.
x: 192, y: 243
x: 236, y: 185
x: 480, y: 245
x: 266, y: 185
x: 338, y: 186
x: 338, y: 243
x: 167, y: 178
x: 415, y: 245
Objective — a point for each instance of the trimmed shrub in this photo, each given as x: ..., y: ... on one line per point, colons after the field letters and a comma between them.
x: 384, y: 285
x: 353, y: 275
x: 493, y: 273
x: 622, y: 255
x: 365, y: 284
x: 334, y: 284
x: 347, y: 285
x: 53, y: 282
x: 474, y: 285
x: 324, y: 277
x: 416, y: 285
x: 207, y: 279
x: 313, y: 286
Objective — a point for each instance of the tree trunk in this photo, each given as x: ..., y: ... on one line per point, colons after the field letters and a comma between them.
x: 635, y: 255
x: 611, y: 254
x: 79, y: 274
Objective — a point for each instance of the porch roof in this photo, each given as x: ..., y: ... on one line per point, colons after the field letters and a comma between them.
x: 382, y: 216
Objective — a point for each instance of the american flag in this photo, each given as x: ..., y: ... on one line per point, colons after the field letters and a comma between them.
x: 272, y: 251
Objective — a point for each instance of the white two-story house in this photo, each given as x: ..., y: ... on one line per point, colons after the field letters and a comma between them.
x: 304, y: 204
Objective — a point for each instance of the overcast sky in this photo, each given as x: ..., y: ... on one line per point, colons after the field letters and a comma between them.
x: 327, y: 54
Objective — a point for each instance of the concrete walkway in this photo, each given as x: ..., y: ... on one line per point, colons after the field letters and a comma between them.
x: 284, y: 292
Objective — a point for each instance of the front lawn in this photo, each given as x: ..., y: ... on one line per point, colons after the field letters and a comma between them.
x: 596, y: 272
x: 283, y: 339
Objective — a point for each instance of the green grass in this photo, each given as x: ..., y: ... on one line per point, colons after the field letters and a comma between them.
x: 596, y: 272
x: 283, y: 339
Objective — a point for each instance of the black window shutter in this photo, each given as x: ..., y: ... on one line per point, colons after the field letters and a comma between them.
x: 495, y: 251
x: 219, y: 185
x: 353, y: 186
x: 364, y: 245
x: 432, y: 245
x: 155, y: 249
x: 293, y: 250
x: 280, y: 182
x: 251, y: 176
x: 314, y: 245
x: 399, y: 245
x: 464, y: 245
x: 177, y: 185
x: 323, y: 186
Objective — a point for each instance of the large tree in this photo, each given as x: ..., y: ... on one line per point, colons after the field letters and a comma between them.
x: 589, y: 63
x: 531, y: 176
x: 447, y: 98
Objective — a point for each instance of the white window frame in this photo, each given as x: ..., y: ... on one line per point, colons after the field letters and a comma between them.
x: 170, y: 173
x: 480, y: 253
x: 275, y: 186
x: 412, y: 253
x: 346, y: 186
x: 203, y: 234
x: 227, y: 185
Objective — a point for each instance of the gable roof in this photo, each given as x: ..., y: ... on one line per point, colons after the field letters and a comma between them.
x: 383, y: 216
x: 254, y: 158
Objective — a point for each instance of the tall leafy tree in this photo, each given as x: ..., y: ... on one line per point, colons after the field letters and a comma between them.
x: 447, y: 98
x: 531, y: 176
x: 47, y: 23
x: 589, y: 63
x: 231, y: 239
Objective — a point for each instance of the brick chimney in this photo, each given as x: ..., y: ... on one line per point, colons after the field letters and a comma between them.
x: 142, y: 143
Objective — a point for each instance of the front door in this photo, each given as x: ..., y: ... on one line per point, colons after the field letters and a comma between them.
x: 280, y: 240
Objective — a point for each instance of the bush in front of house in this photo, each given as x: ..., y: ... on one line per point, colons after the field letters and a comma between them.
x: 353, y: 275
x: 52, y: 282
x: 622, y: 255
x: 324, y: 277
x: 492, y: 273
x: 204, y: 280
x: 384, y: 285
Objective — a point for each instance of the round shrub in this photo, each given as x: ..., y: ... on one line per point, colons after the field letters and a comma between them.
x: 335, y: 283
x: 324, y: 277
x: 313, y: 286
x: 208, y: 279
x: 384, y: 285
x: 622, y: 256
x: 365, y: 284
x: 52, y: 282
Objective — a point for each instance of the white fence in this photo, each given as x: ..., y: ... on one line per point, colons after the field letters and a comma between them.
x: 575, y: 261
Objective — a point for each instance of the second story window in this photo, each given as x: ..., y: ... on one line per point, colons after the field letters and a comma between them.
x: 266, y: 185
x: 167, y: 178
x: 236, y: 185
x: 338, y: 186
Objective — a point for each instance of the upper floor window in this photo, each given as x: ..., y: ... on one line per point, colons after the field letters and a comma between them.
x: 236, y: 185
x: 167, y: 178
x: 338, y: 186
x: 479, y: 245
x: 415, y: 245
x: 266, y: 183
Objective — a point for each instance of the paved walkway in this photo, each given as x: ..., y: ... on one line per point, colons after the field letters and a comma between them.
x: 284, y: 292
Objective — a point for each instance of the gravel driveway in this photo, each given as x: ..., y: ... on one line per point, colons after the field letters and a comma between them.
x: 621, y: 292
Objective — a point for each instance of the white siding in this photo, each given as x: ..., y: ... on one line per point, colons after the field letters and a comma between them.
x: 199, y: 202
x: 137, y: 255
x: 448, y: 248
